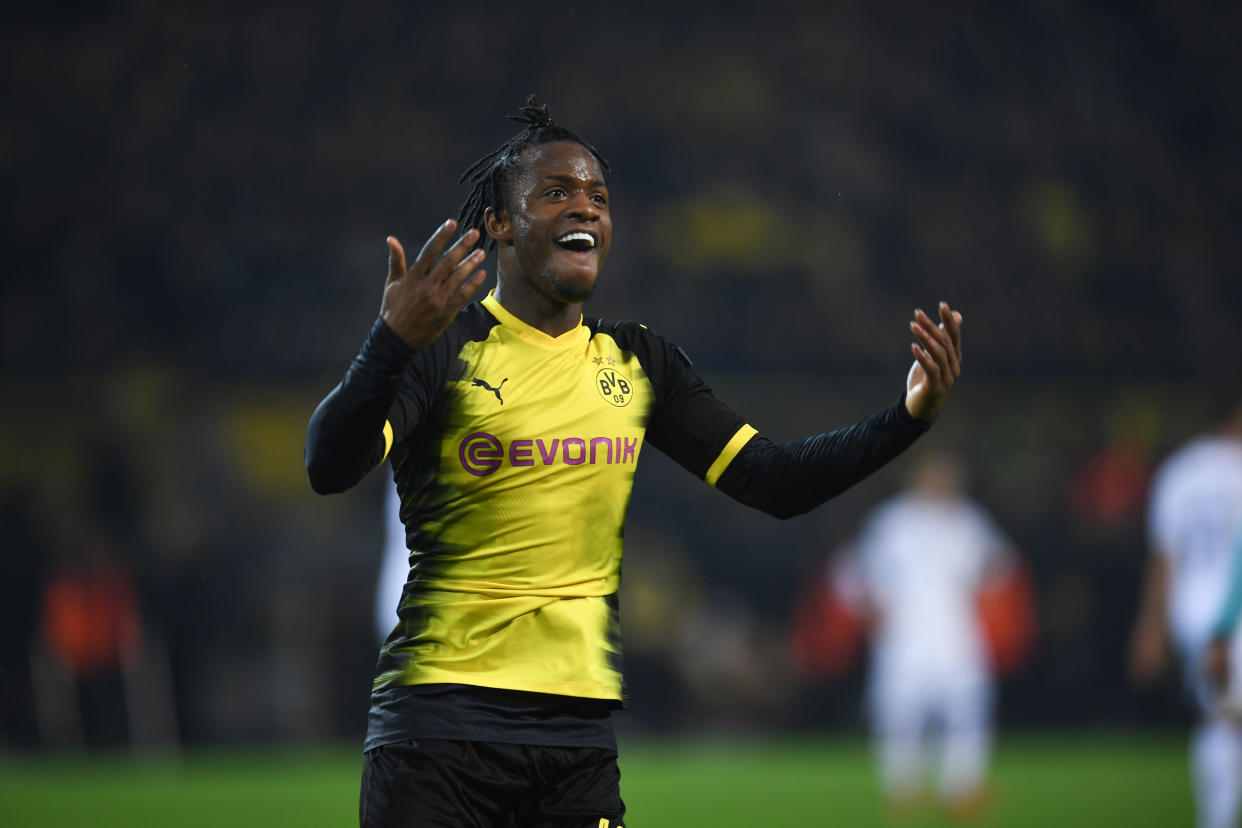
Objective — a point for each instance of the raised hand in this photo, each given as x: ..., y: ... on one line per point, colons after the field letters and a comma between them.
x: 420, y: 302
x: 937, y: 361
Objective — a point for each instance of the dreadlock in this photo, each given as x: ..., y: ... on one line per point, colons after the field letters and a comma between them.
x: 492, y: 174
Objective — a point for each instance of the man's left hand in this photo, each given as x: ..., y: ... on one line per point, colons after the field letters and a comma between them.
x: 937, y: 361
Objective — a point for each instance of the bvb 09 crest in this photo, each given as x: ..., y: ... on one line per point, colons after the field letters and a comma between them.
x: 614, y: 387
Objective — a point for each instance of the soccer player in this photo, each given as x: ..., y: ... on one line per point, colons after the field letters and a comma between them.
x: 918, y: 570
x: 1224, y: 650
x: 513, y: 426
x: 1195, y: 517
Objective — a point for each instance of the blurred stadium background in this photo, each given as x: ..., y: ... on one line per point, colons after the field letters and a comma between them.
x: 196, y: 201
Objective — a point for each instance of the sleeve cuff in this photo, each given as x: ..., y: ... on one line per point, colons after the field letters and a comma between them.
x: 909, y: 419
x: 384, y: 351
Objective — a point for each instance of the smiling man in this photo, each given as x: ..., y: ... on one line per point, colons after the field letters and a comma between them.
x: 513, y: 427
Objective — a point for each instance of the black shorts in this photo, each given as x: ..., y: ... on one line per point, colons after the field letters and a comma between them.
x: 440, y: 783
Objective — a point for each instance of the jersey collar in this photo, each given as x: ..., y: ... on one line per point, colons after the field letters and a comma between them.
x: 532, y: 334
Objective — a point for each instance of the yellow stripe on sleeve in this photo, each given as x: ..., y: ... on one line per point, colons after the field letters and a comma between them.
x: 387, y: 440
x: 727, y: 454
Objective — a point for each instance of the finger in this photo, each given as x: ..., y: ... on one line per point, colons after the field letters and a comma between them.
x: 931, y: 339
x: 396, y: 259
x: 930, y: 367
x: 945, y: 374
x: 469, y: 286
x: 455, y: 255
x: 461, y: 289
x: 940, y: 346
x: 458, y: 275
x: 948, y: 331
x: 925, y: 322
x: 431, y: 250
x: 951, y: 321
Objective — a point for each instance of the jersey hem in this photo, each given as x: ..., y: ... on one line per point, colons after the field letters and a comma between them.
x: 580, y: 690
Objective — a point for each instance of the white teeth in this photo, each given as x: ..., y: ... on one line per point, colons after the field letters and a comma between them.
x: 568, y: 237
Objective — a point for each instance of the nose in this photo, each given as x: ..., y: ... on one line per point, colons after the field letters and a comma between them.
x: 582, y: 208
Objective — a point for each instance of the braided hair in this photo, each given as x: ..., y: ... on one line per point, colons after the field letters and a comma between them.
x: 492, y: 175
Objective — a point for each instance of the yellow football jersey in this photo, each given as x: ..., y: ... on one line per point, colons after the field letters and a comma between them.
x: 514, y: 454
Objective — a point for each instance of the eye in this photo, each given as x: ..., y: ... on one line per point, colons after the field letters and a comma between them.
x: 555, y: 192
x: 600, y: 199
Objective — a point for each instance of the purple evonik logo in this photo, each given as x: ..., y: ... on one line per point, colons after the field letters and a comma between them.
x: 482, y: 454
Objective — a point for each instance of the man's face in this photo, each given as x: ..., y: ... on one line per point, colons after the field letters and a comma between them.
x: 558, y: 221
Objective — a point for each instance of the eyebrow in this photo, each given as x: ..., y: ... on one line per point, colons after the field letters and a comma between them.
x: 561, y: 178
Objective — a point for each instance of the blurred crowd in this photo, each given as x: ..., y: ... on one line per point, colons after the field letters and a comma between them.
x: 193, y: 237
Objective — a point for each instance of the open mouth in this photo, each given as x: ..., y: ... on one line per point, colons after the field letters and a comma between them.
x: 578, y: 242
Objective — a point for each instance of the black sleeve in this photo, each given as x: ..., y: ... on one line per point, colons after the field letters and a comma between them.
x: 788, y: 479
x: 686, y: 421
x: 345, y: 438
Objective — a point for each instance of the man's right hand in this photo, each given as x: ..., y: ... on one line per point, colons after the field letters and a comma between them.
x: 421, y: 301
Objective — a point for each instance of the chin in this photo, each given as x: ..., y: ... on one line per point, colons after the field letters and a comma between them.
x: 571, y: 289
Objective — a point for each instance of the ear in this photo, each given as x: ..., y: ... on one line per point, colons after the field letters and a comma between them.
x: 497, y: 225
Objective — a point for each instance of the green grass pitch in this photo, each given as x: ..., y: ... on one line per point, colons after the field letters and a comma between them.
x: 1066, y: 781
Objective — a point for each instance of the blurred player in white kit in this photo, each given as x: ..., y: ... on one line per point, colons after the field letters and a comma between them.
x: 1223, y: 660
x: 1194, y: 521
x: 918, y: 568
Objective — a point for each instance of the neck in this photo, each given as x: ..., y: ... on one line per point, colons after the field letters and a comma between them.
x: 542, y: 312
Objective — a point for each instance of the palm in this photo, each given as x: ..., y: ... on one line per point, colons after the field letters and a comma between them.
x: 916, y: 382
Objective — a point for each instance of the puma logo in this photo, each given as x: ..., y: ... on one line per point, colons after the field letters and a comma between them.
x: 480, y: 383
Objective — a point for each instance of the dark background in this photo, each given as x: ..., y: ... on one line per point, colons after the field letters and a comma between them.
x: 196, y: 200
